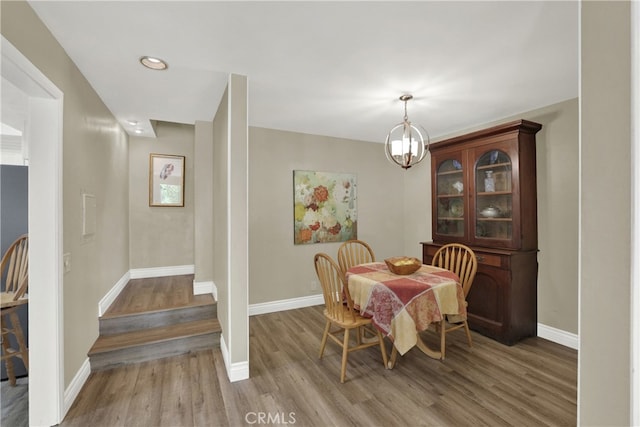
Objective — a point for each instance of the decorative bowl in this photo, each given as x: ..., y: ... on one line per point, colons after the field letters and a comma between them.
x: 403, y: 265
x: 490, y: 212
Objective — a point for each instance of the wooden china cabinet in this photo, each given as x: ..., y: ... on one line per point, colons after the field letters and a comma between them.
x: 484, y: 196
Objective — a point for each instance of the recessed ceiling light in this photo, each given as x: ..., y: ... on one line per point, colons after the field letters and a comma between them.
x: 153, y: 63
x: 132, y: 122
x: 138, y: 131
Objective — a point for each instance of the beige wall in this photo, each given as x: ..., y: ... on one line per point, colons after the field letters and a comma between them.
x: 238, y: 221
x: 231, y: 234
x: 416, y: 225
x: 278, y: 268
x: 220, y: 213
x: 95, y: 160
x: 203, y: 201
x: 557, y: 182
x: 605, y: 261
x: 161, y: 236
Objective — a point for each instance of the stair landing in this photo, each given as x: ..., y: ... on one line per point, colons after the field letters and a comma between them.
x: 156, y: 293
x: 155, y: 318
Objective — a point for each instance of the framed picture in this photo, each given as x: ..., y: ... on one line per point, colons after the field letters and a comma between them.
x: 324, y: 207
x: 166, y: 180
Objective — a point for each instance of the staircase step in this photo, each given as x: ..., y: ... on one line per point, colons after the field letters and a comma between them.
x: 119, y: 323
x: 154, y: 318
x: 154, y: 343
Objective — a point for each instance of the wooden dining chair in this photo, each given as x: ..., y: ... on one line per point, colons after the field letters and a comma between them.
x: 354, y: 252
x: 341, y: 315
x: 461, y: 260
x: 14, y: 267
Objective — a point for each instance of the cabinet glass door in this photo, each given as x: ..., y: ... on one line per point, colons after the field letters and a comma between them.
x: 493, y: 196
x: 450, y: 191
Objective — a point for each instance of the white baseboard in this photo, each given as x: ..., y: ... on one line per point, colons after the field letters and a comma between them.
x: 286, y: 304
x: 71, y: 393
x: 559, y: 336
x: 208, y: 287
x: 239, y: 371
x: 176, y: 270
x: 113, y: 293
x: 235, y: 371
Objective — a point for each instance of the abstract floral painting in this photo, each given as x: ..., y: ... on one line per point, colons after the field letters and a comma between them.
x: 324, y: 207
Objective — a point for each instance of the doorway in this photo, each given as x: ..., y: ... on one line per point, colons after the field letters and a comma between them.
x: 43, y: 133
x: 14, y: 171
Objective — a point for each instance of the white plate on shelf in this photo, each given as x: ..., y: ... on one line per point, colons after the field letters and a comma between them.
x: 456, y: 208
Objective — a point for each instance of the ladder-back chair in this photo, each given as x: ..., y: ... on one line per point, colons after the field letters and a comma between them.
x: 461, y: 260
x: 341, y: 315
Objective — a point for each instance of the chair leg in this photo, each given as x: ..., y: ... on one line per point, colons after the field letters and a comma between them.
x: 6, y: 355
x: 7, y: 352
x: 394, y: 356
x: 443, y: 334
x: 466, y: 329
x: 22, y: 346
x: 325, y: 335
x: 345, y: 353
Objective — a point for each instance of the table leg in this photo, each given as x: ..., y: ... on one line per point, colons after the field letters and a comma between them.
x: 434, y: 354
x: 427, y: 350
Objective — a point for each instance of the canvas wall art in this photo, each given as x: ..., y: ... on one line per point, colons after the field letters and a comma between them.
x: 325, y: 207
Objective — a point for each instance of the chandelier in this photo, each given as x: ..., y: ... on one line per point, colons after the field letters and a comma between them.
x: 406, y: 144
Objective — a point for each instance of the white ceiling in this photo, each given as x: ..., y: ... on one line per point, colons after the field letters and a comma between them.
x: 326, y: 68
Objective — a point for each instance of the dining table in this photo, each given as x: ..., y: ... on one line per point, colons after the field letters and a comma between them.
x: 401, y: 306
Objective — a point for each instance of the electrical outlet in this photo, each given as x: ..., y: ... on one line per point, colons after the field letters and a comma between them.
x: 314, y: 285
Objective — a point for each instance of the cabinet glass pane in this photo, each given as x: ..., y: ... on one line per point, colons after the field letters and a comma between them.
x: 450, y: 198
x: 493, y: 196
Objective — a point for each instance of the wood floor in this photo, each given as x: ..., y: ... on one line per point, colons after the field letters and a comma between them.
x: 530, y: 384
x: 15, y: 403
